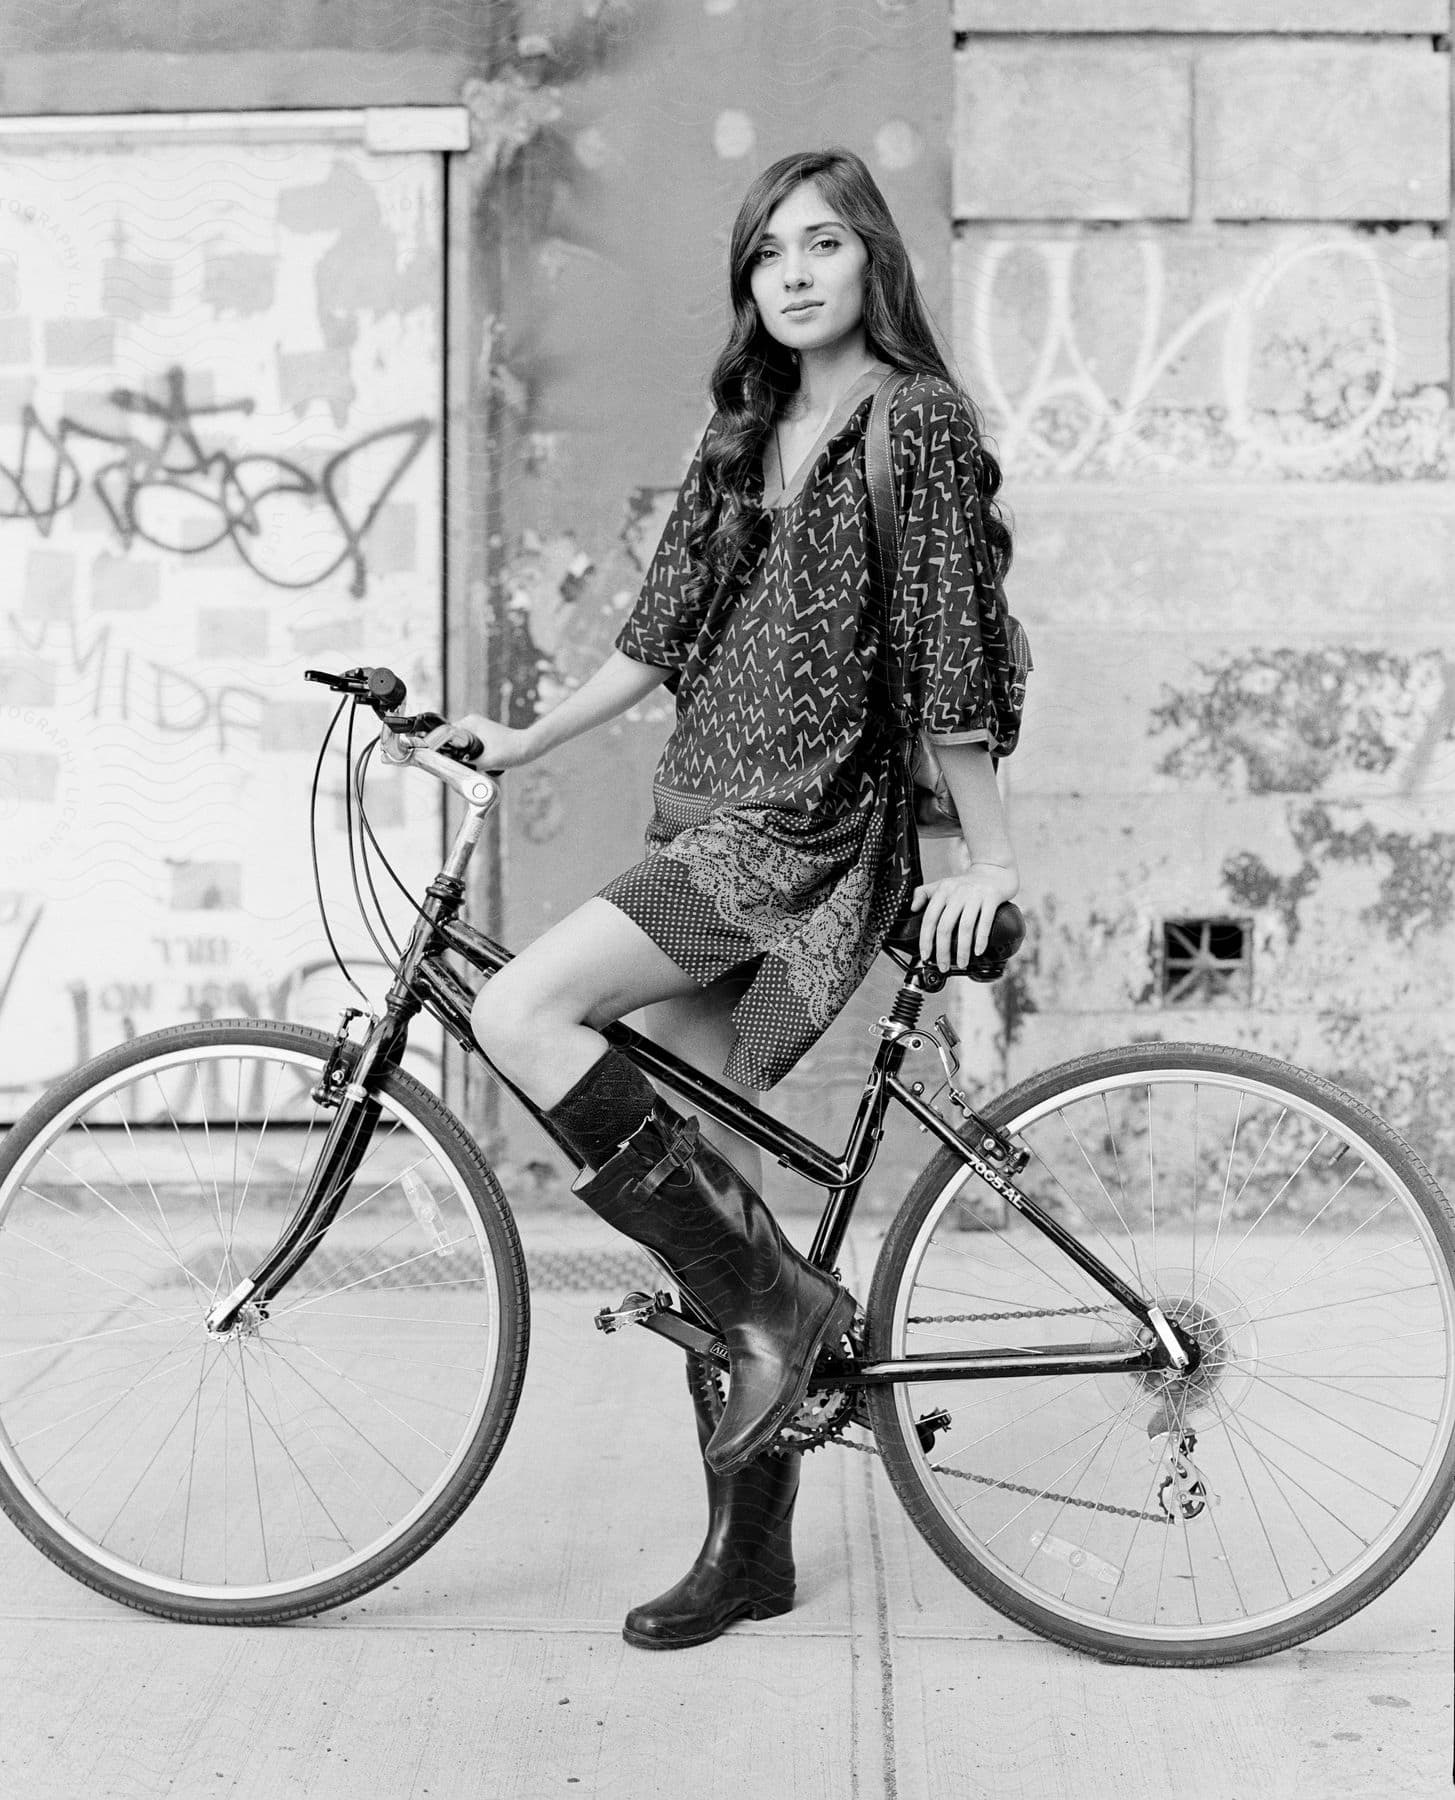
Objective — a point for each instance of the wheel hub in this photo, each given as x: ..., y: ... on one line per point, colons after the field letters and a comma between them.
x: 1223, y: 1363
x: 247, y: 1322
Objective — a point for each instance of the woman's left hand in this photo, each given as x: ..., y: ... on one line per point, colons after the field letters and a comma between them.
x: 960, y: 909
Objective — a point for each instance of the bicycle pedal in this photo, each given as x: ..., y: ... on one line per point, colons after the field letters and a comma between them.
x: 635, y: 1309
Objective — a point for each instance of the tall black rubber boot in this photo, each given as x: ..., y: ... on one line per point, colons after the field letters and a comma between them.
x: 671, y: 1192
x: 744, y: 1569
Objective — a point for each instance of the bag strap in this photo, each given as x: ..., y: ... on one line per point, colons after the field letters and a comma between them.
x: 883, y: 543
x: 883, y: 532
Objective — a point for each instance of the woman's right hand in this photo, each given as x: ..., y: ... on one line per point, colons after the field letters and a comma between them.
x: 505, y: 746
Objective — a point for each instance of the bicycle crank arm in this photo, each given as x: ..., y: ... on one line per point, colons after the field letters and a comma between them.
x: 672, y: 1326
x: 655, y: 1313
x: 990, y: 1365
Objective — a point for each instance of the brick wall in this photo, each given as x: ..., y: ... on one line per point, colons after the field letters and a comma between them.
x: 1202, y: 287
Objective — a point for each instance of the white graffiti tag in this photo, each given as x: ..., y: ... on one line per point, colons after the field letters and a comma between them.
x: 1037, y: 424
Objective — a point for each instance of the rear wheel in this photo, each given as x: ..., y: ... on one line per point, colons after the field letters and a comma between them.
x: 1210, y: 1516
x: 326, y: 1441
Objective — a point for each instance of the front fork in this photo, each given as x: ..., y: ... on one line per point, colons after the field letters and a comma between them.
x: 337, y: 1164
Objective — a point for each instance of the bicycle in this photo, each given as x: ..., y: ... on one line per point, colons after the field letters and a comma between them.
x: 265, y: 1315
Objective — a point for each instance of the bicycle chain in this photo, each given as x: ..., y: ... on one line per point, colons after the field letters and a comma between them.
x: 1015, y: 1487
x: 1041, y: 1312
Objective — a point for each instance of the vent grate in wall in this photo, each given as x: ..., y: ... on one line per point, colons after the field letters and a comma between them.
x: 1205, y: 961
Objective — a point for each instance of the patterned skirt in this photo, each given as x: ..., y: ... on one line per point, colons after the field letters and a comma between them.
x: 804, y: 898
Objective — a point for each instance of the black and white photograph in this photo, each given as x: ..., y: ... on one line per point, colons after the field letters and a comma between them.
x: 727, y: 899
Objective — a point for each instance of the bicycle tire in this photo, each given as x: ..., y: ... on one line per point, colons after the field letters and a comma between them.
x: 1287, y: 1427
x: 364, y: 1410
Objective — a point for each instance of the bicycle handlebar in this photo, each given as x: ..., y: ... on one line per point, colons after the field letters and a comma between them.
x: 384, y: 691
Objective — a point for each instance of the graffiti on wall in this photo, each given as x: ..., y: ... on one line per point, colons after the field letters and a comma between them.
x: 198, y: 976
x: 256, y: 502
x: 219, y: 465
x: 1309, y: 363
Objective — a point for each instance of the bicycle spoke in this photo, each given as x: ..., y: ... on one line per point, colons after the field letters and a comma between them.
x: 1044, y: 1274
x: 357, y: 1429
x: 108, y: 1401
x: 1384, y: 1294
x: 176, y: 1420
x: 175, y: 1253
x: 242, y: 1370
x: 317, y: 1299
x: 1152, y: 1180
x: 1217, y: 1269
x: 131, y: 1224
x: 191, y: 1164
x: 1055, y: 1397
x: 1319, y: 1412
x: 362, y: 1492
x: 1096, y: 1504
x: 1404, y: 1412
x: 1271, y: 1462
x: 1133, y: 1269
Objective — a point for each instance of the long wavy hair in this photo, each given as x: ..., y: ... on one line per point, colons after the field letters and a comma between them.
x: 754, y: 374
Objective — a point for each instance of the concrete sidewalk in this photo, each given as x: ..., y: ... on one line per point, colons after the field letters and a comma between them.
x: 495, y: 1665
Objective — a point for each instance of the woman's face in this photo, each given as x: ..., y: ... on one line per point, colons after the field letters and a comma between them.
x: 807, y: 273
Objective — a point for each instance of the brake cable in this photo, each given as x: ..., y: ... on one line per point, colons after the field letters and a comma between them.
x: 358, y: 853
x: 368, y: 830
x: 358, y: 778
x: 313, y: 852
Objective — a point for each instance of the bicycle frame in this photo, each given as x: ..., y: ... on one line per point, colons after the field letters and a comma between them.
x: 425, y: 981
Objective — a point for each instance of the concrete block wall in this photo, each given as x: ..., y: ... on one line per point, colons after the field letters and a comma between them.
x: 1196, y: 262
x: 1202, y: 291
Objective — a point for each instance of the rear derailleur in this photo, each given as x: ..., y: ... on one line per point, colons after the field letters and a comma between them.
x: 1182, y: 1492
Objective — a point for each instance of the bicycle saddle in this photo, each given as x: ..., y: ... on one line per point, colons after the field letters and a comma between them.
x: 1007, y: 934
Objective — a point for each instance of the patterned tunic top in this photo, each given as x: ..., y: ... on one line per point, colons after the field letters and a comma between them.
x: 780, y: 837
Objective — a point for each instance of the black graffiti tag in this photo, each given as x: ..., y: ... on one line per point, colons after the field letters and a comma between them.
x: 249, y: 500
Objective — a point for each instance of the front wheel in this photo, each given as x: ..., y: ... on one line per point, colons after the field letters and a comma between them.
x: 1195, y: 1518
x: 318, y: 1447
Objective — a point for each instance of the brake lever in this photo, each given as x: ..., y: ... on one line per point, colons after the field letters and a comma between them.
x: 350, y: 682
x: 417, y: 724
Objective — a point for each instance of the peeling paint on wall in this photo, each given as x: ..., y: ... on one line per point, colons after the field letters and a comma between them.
x: 1417, y: 882
x: 1287, y: 719
x: 1251, y: 883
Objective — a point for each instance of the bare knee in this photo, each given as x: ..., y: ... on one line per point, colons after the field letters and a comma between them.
x: 511, y: 1019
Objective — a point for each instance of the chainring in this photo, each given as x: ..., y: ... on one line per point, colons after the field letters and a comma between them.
x: 823, y: 1415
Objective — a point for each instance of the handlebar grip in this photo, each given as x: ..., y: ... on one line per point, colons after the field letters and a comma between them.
x: 384, y: 690
x: 470, y: 751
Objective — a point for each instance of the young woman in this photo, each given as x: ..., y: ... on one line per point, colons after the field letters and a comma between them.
x: 779, y: 853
